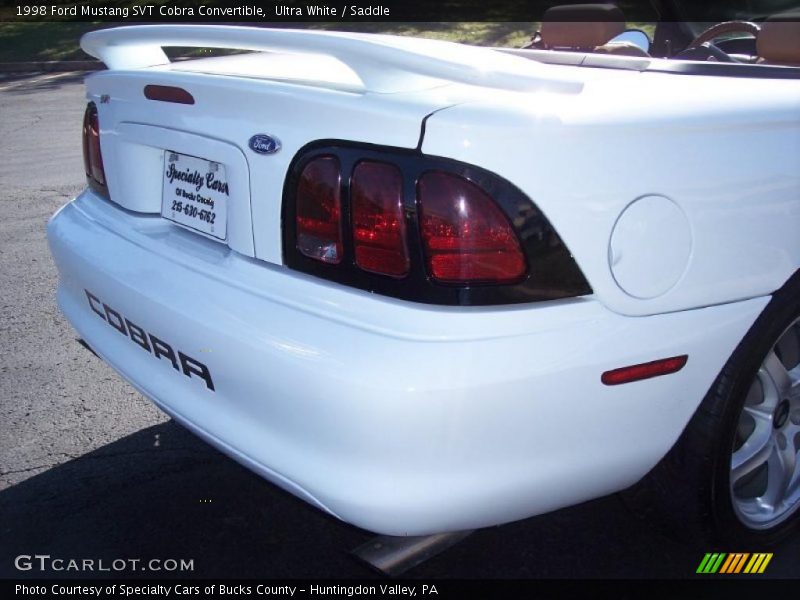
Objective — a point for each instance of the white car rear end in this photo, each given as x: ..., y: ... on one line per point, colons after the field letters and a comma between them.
x: 376, y: 388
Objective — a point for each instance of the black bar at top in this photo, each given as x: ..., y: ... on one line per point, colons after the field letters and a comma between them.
x: 286, y: 11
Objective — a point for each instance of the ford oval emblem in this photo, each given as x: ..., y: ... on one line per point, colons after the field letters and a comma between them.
x: 264, y: 144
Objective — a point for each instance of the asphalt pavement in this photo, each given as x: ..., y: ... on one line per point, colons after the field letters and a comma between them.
x: 89, y: 469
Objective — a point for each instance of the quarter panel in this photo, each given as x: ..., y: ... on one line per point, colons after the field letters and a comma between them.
x: 726, y: 152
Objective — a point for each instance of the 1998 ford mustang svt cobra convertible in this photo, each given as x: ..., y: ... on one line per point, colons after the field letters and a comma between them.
x: 429, y: 287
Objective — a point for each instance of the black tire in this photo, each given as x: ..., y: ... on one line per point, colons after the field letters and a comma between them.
x: 689, y: 490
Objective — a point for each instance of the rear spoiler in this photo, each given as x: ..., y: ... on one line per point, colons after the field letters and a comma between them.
x: 382, y: 63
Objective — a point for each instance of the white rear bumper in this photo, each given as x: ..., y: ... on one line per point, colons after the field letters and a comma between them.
x: 397, y: 417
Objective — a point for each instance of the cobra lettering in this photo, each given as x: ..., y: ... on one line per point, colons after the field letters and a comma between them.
x: 148, y: 342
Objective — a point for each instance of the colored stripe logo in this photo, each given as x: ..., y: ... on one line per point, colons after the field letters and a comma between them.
x: 734, y: 562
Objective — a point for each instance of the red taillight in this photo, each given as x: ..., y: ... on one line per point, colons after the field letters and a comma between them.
x: 92, y: 159
x: 319, y: 211
x: 467, y: 238
x: 665, y: 366
x: 379, y: 230
x: 420, y: 228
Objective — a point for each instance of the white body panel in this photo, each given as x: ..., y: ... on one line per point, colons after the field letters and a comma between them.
x: 135, y: 134
x: 405, y: 418
x: 726, y: 151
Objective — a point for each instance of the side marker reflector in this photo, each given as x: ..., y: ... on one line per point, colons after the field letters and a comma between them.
x: 656, y: 368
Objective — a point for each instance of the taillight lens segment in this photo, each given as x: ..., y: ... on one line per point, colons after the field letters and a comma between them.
x: 319, y: 211
x: 379, y: 230
x: 92, y: 158
x: 428, y: 229
x: 466, y: 236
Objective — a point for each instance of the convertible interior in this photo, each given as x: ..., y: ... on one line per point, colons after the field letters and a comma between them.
x: 595, y: 35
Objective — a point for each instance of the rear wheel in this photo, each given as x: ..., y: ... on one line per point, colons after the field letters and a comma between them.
x: 734, y: 475
x: 765, y: 471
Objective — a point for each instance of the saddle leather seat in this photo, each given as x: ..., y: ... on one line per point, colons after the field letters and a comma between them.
x: 580, y: 27
x: 778, y: 42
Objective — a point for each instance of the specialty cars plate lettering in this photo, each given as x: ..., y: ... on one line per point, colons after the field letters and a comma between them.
x: 195, y: 193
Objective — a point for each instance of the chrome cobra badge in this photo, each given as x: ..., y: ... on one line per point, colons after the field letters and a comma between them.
x: 264, y: 144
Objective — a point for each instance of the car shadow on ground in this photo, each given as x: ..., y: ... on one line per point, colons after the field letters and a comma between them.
x: 161, y: 493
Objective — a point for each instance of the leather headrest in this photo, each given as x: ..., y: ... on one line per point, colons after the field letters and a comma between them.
x: 779, y: 39
x: 581, y: 26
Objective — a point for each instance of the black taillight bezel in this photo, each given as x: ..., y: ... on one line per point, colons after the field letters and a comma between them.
x: 551, y: 274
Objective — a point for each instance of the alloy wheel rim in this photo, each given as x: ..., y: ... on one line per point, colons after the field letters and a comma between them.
x: 764, y: 466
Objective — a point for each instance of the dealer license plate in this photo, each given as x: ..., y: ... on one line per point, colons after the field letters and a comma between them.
x: 195, y: 193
